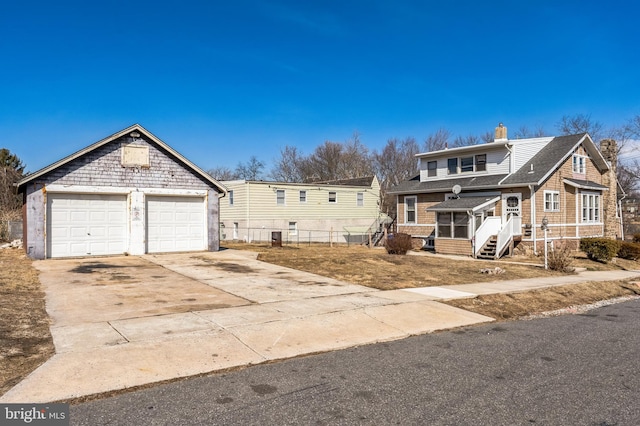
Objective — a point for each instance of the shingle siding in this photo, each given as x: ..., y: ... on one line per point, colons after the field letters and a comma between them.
x: 102, y: 167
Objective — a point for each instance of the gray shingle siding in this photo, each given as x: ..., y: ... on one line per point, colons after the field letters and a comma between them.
x: 102, y: 167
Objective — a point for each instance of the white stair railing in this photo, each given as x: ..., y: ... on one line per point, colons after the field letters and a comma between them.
x: 491, y: 226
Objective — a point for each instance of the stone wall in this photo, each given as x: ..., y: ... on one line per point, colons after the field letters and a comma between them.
x: 608, y: 147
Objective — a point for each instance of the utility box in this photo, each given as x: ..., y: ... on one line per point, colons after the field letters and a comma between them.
x: 276, y: 239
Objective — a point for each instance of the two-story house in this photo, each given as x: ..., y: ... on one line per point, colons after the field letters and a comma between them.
x: 484, y: 199
x: 336, y: 211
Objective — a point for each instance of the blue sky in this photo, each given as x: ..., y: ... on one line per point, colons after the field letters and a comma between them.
x: 222, y: 81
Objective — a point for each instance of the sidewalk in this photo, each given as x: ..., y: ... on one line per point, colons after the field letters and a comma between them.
x: 123, y: 353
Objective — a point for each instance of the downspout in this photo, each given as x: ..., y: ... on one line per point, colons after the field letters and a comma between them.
x: 533, y: 219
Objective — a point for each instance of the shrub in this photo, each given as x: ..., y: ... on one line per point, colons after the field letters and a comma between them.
x: 560, y: 259
x: 636, y: 238
x: 398, y: 243
x: 630, y: 251
x: 599, y: 249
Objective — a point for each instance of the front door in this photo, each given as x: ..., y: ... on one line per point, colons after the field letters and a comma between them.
x: 511, y: 206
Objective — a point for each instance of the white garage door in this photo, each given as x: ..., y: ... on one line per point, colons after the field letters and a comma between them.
x: 176, y: 224
x: 86, y: 224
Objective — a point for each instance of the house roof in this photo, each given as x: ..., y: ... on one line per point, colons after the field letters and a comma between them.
x: 467, y: 183
x: 361, y: 181
x: 137, y: 128
x: 533, y: 172
x: 464, y: 204
x: 548, y: 159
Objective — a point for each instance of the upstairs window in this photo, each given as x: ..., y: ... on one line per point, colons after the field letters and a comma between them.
x: 432, y: 168
x: 579, y: 164
x: 452, y: 166
x: 360, y: 199
x: 280, y: 197
x: 466, y: 164
x: 231, y: 197
x: 481, y: 162
x: 333, y: 197
x: 303, y: 196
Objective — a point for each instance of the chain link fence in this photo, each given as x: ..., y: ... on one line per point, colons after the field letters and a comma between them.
x: 297, y: 237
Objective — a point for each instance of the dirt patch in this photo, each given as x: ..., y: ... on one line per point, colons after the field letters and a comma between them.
x: 25, y: 340
x: 518, y: 305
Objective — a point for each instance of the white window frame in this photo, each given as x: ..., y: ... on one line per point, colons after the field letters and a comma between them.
x: 579, y: 164
x: 551, y: 201
x: 335, y: 197
x: 280, y: 201
x: 591, y: 212
x: 231, y: 197
x: 293, y: 228
x: 415, y: 210
x: 360, y: 199
x: 472, y: 167
x: 302, y: 196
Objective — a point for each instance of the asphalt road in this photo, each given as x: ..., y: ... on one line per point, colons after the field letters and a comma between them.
x: 568, y: 370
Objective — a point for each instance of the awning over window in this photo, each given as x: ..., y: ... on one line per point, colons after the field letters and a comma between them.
x: 585, y: 184
x: 464, y: 204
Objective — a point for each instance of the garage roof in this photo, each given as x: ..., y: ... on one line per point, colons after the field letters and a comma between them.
x: 130, y: 129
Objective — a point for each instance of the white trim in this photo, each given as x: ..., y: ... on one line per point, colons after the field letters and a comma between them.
x: 75, y: 189
x: 415, y: 209
x: 552, y: 202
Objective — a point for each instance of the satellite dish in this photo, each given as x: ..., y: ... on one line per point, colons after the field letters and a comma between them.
x: 456, y: 189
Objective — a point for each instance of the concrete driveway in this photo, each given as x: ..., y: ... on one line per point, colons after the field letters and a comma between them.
x: 120, y: 322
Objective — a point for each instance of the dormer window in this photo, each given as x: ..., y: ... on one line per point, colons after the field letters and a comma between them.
x: 579, y: 164
x: 432, y: 168
x: 472, y: 163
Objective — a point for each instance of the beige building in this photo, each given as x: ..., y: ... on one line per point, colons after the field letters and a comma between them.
x: 484, y: 200
x: 337, y: 211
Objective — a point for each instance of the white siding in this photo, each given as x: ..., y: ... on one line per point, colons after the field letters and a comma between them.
x: 524, y: 150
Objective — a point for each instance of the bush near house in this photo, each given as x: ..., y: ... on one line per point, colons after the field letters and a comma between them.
x: 560, y: 259
x: 600, y: 249
x: 636, y: 238
x: 398, y: 243
x: 629, y: 251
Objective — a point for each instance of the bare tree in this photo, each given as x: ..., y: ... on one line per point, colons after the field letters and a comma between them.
x: 581, y: 123
x: 524, y: 132
x: 438, y: 140
x: 252, y: 170
x: 355, y: 160
x: 466, y: 140
x: 223, y: 173
x: 395, y: 163
x: 288, y: 167
x: 11, y: 171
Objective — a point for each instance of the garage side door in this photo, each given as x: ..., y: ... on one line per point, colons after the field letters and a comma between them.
x: 176, y: 224
x: 86, y: 224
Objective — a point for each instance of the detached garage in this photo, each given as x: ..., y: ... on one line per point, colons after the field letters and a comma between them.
x: 129, y: 193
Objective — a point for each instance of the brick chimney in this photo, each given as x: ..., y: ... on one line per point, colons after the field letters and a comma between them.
x: 608, y: 148
x: 501, y: 133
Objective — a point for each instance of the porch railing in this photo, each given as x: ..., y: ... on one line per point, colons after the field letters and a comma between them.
x: 491, y: 226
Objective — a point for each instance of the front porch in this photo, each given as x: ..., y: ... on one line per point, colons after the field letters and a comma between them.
x: 469, y: 226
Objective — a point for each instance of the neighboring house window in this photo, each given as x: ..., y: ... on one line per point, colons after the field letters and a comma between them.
x: 360, y: 199
x: 452, y: 166
x: 231, y: 197
x: 466, y: 164
x: 409, y: 209
x: 333, y: 197
x: 590, y: 207
x: 453, y: 225
x: 551, y: 201
x: 481, y: 162
x: 579, y: 164
x: 432, y: 168
x: 280, y: 197
x: 293, y: 228
x: 303, y: 196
